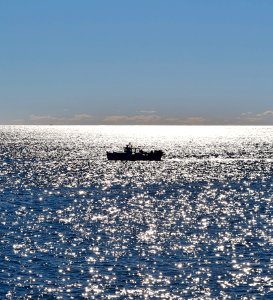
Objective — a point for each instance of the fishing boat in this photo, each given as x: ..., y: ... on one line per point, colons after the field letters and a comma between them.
x: 135, y: 153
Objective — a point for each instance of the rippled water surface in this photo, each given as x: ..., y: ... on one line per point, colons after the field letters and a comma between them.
x: 197, y: 225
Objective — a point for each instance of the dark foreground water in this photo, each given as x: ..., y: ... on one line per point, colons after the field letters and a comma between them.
x: 197, y: 225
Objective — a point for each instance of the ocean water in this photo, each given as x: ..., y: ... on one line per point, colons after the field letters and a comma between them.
x: 197, y: 225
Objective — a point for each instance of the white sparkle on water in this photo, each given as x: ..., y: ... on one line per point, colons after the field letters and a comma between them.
x: 197, y: 225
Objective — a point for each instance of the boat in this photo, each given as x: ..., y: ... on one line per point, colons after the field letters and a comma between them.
x: 135, y: 153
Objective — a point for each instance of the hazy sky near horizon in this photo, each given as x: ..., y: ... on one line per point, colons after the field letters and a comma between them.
x: 136, y: 62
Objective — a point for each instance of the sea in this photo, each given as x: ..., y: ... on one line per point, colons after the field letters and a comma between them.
x: 196, y: 225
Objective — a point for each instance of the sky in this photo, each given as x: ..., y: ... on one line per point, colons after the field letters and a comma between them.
x: 190, y: 62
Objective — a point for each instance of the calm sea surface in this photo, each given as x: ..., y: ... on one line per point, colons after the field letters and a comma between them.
x: 197, y: 225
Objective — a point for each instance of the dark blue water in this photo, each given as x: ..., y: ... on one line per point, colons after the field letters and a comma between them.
x: 197, y: 225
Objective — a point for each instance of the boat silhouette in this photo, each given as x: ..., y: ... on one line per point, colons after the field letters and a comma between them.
x: 135, y: 153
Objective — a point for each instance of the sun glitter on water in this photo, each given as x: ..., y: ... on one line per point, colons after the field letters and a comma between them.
x: 195, y: 225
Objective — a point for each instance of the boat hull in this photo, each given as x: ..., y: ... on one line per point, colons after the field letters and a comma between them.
x: 152, y: 156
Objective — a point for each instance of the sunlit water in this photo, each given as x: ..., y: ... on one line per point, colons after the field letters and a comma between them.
x: 197, y: 225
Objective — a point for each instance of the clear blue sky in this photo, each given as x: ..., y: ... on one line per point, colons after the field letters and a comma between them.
x: 136, y: 62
